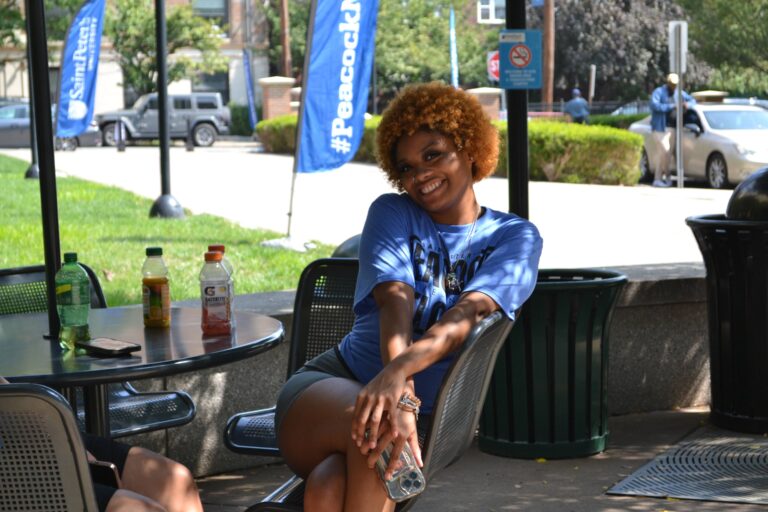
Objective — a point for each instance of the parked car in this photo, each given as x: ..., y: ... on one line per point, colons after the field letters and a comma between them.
x: 203, y: 113
x: 14, y: 129
x: 722, y: 143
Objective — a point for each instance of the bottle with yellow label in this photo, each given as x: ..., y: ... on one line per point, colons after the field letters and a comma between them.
x: 156, y: 293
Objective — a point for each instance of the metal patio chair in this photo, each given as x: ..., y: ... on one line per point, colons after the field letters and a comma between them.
x: 454, y: 417
x: 23, y: 290
x: 43, y: 463
x: 322, y: 316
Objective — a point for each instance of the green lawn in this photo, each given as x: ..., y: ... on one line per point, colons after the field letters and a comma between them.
x: 110, y: 229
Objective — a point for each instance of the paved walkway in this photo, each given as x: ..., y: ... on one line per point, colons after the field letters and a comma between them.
x: 480, y: 482
x: 582, y: 225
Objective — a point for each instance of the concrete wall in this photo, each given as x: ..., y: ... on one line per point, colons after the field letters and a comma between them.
x: 658, y: 361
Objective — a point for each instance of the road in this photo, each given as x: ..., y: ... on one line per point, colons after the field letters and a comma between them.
x: 582, y: 225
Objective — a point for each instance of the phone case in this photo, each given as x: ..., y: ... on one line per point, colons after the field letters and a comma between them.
x: 105, y: 473
x: 108, y: 347
x: 407, y: 481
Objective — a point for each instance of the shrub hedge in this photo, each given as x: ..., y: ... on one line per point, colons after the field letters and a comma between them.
x: 240, y: 125
x: 564, y: 152
x: 619, y: 121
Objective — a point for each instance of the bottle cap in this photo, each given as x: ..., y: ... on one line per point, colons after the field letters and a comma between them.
x: 213, y: 256
x: 217, y: 247
x: 154, y: 251
x: 70, y: 257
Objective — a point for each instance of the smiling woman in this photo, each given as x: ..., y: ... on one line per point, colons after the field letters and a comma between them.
x: 433, y: 264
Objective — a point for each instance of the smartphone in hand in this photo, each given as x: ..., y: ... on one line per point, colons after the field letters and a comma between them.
x: 108, y: 347
x: 407, y: 481
x: 105, y: 473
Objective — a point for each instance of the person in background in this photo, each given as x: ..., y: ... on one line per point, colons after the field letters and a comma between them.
x: 662, y: 105
x: 433, y: 263
x: 577, y: 107
x: 149, y: 482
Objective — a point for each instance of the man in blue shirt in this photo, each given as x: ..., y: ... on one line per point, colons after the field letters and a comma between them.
x: 577, y: 108
x: 662, y: 103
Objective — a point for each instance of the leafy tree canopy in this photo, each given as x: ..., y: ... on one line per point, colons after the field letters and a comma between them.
x: 130, y: 25
x: 626, y: 40
x: 732, y: 37
x: 11, y: 23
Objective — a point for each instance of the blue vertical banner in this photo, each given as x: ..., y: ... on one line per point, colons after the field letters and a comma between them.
x: 79, y: 66
x: 454, y: 53
x: 252, y: 118
x: 341, y: 40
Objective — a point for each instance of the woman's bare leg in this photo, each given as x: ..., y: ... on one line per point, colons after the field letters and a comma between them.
x: 128, y: 501
x: 315, y: 431
x: 164, y: 480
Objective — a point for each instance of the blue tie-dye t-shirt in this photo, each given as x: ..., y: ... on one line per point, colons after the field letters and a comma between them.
x: 498, y: 257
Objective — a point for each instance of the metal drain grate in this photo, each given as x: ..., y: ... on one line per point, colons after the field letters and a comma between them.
x: 711, y: 465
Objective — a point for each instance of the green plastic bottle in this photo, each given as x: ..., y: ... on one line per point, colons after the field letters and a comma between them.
x: 73, y: 302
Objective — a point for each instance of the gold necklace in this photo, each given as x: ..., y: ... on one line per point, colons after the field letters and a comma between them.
x: 451, y: 282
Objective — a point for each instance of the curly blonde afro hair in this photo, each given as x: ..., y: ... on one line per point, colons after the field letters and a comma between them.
x: 439, y: 107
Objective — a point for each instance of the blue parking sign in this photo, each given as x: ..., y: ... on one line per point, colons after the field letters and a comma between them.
x: 520, y: 59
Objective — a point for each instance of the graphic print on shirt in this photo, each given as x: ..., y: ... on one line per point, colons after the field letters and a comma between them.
x: 430, y: 266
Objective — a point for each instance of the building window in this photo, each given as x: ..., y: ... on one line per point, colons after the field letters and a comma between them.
x: 214, y: 82
x: 491, y: 11
x: 215, y: 9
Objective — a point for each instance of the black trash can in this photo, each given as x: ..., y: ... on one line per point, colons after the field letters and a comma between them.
x: 548, y: 393
x: 735, y: 255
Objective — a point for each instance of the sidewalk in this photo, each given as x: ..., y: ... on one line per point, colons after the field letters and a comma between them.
x: 480, y: 482
x: 582, y: 225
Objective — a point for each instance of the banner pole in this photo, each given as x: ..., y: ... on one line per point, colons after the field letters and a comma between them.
x: 307, y: 53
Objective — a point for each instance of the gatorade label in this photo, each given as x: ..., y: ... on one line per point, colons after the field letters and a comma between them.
x: 216, y: 308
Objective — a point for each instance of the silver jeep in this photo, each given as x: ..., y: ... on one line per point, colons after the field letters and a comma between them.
x: 202, y: 115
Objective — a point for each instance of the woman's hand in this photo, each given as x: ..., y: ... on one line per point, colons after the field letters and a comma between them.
x: 407, y: 433
x: 377, y: 399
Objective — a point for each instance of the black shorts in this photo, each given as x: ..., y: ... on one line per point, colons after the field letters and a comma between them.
x: 325, y: 366
x: 107, y: 450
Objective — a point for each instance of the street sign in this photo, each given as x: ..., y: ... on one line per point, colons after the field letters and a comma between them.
x: 520, y: 59
x: 492, y: 63
x: 678, y: 46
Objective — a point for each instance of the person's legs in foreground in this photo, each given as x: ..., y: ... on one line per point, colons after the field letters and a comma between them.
x: 663, y: 149
x: 161, y: 479
x: 325, y: 454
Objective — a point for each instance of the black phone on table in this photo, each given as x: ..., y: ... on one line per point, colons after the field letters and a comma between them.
x: 108, y: 347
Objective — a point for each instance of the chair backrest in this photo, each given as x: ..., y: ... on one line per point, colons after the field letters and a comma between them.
x: 322, y: 311
x: 23, y: 290
x: 43, y: 464
x: 460, y: 400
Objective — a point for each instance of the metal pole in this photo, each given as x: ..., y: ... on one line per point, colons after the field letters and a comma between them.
x: 517, y: 127
x: 33, y: 171
x: 41, y: 97
x: 166, y: 205
x: 304, y: 87
x: 679, y: 109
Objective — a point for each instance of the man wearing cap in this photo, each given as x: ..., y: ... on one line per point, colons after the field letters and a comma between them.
x: 662, y: 103
x: 577, y: 107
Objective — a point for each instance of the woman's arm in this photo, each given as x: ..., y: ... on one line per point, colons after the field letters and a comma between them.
x: 403, y: 359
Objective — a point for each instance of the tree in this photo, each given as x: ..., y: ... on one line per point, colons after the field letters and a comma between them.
x: 11, y: 23
x: 298, y: 14
x: 625, y: 39
x: 412, y: 44
x: 732, y: 37
x: 58, y: 15
x: 130, y: 25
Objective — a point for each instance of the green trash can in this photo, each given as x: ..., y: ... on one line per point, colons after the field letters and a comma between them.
x: 548, y: 393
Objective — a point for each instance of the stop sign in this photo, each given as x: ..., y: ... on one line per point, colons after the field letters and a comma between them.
x: 492, y: 62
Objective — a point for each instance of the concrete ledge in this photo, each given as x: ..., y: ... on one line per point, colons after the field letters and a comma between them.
x: 659, y: 354
x: 658, y: 361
